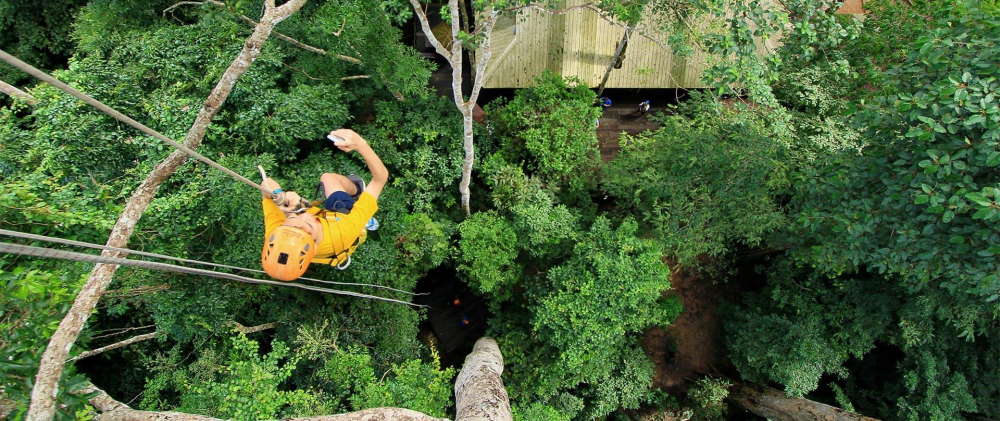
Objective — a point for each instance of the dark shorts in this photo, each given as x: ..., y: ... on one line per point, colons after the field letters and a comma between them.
x: 340, y: 201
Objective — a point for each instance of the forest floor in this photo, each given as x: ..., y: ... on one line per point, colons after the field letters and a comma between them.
x: 690, y: 346
x: 618, y: 119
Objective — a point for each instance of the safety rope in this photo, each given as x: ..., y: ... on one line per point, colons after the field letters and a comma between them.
x: 89, y: 258
x: 36, y: 237
x: 31, y: 70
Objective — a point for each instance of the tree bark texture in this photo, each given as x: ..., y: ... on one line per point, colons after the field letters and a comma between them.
x: 775, y: 406
x: 17, y: 93
x: 479, y: 391
x: 50, y: 369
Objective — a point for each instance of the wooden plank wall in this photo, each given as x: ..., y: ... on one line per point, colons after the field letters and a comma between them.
x: 580, y: 43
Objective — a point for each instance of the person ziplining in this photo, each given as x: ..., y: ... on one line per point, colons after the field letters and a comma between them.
x: 297, y: 234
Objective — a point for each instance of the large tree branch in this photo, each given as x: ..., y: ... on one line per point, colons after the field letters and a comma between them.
x: 17, y: 93
x: 774, y: 405
x: 50, y: 369
x: 426, y: 27
x: 479, y: 391
x: 113, y: 410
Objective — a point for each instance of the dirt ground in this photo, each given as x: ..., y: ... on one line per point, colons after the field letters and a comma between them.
x: 691, y: 345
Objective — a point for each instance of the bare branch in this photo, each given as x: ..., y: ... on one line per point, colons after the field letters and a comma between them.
x: 426, y: 27
x: 484, y: 59
x: 356, y: 77
x: 50, y: 369
x: 17, y: 93
x: 137, y: 291
x: 499, y: 59
x: 287, y: 9
x: 119, y: 331
x: 337, y: 33
x: 254, y: 329
x: 116, y: 345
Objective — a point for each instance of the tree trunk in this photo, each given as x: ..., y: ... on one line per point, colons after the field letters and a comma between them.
x: 619, y: 50
x: 17, y: 93
x: 469, y: 160
x: 479, y: 391
x: 50, y: 369
x: 775, y: 406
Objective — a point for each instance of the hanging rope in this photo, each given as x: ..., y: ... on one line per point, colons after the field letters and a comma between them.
x: 36, y: 237
x: 40, y: 75
x: 166, y: 267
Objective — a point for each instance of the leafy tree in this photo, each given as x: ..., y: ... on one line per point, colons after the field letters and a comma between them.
x: 242, y: 384
x: 32, y: 302
x: 549, y: 128
x: 705, y: 182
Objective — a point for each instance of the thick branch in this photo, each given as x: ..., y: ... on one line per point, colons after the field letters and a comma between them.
x: 17, y: 93
x: 774, y: 405
x: 479, y: 391
x: 115, y: 345
x: 50, y: 369
x: 375, y: 414
x: 426, y: 27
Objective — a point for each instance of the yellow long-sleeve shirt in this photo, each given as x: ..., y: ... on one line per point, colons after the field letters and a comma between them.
x: 341, y: 231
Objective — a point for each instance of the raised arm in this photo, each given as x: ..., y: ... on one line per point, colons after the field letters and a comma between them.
x: 353, y: 141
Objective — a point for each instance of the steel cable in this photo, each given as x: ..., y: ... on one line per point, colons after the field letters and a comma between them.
x: 36, y: 237
x: 40, y: 75
x: 167, y: 267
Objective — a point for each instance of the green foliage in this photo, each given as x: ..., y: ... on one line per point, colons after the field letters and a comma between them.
x: 418, y: 140
x: 804, y: 327
x: 578, y: 353
x: 37, y: 33
x: 708, y: 395
x: 705, y: 182
x: 488, y: 247
x: 550, y: 129
x: 30, y: 308
x: 241, y: 385
x: 415, y: 385
x: 928, y: 180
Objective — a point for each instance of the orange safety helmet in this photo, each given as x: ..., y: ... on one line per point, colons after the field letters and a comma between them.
x: 287, y: 253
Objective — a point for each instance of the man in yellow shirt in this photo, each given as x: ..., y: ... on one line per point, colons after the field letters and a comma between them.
x: 294, y: 238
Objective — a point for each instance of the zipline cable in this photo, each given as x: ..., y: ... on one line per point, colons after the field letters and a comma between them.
x: 36, y: 237
x: 40, y: 75
x: 90, y: 258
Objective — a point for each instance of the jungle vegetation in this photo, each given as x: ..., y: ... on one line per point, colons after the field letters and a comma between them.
x: 842, y: 193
